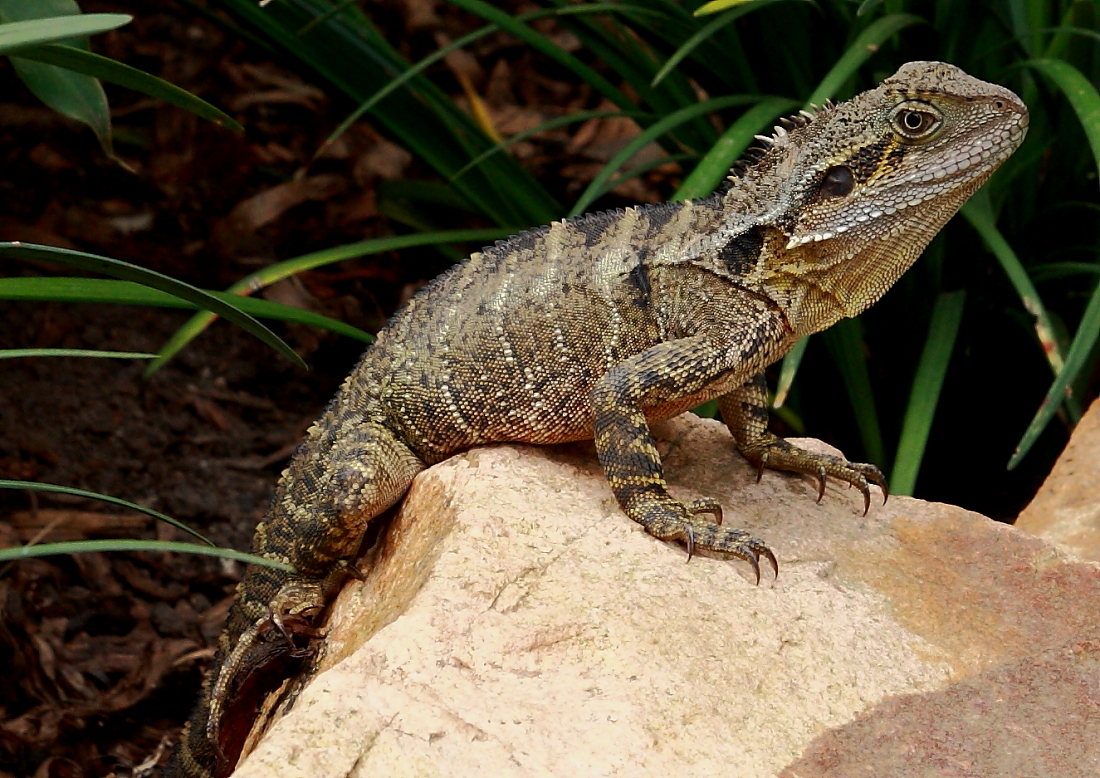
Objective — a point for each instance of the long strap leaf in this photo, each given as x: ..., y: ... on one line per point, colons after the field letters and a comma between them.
x: 34, y: 486
x: 128, y: 272
x: 925, y: 394
x: 86, y: 546
x: 105, y: 290
x: 15, y: 35
x: 599, y: 183
x: 107, y: 69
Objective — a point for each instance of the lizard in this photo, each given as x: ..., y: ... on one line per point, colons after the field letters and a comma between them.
x: 593, y: 327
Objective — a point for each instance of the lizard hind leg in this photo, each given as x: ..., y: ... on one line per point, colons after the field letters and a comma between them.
x: 333, y: 488
x: 347, y: 472
x: 745, y: 412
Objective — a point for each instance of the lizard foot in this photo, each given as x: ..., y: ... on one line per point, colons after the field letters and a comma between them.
x: 778, y: 454
x: 673, y: 520
x: 290, y: 615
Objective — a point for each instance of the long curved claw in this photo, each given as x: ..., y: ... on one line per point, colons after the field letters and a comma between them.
x: 862, y: 486
x: 690, y: 541
x: 752, y: 560
x: 776, y: 454
x: 767, y: 554
x: 756, y: 550
x: 878, y: 479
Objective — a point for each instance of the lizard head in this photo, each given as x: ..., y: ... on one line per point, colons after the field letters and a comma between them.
x: 865, y: 185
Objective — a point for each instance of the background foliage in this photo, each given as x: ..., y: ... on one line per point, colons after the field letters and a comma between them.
x: 982, y: 357
x: 992, y: 336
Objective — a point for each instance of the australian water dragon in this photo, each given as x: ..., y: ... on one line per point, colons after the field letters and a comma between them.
x: 595, y: 326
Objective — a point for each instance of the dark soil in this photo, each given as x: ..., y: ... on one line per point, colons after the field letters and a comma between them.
x: 102, y: 654
x: 108, y: 648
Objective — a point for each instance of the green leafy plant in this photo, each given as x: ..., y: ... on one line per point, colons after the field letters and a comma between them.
x: 47, y: 42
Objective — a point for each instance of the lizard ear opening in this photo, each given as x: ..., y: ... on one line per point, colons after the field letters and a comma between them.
x: 838, y: 181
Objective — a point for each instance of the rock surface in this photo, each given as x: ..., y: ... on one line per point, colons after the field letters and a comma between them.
x: 516, y: 623
x: 1066, y: 510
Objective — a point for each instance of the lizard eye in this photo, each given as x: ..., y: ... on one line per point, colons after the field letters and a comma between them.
x: 838, y: 181
x: 916, y: 120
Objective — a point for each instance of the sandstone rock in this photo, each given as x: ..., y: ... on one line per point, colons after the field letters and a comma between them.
x: 1066, y: 509
x: 516, y: 623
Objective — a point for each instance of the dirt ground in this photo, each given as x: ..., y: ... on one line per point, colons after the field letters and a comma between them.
x: 107, y: 649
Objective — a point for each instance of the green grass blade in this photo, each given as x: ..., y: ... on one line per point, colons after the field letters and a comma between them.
x: 979, y: 212
x: 548, y: 48
x: 400, y: 81
x: 642, y: 169
x: 103, y: 290
x: 128, y: 272
x: 618, y: 48
x: 107, y: 69
x: 316, y: 259
x: 37, y: 487
x: 658, y: 128
x: 715, y: 166
x: 867, y: 43
x: 717, y: 6
x: 1066, y: 30
x: 560, y: 121
x: 18, y: 353
x: 787, y: 371
x: 461, y: 43
x: 1088, y: 332
x: 845, y: 343
x: 927, y: 385
x: 1052, y: 270
x: 346, y: 54
x: 705, y: 33
x: 1080, y: 92
x: 16, y: 35
x: 87, y: 546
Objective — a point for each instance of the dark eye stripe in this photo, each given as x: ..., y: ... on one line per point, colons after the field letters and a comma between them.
x: 838, y: 181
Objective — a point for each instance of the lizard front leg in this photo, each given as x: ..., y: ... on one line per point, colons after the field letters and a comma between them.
x: 662, y: 374
x: 745, y: 412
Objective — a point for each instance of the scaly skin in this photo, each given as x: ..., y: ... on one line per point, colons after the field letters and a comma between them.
x: 597, y: 326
